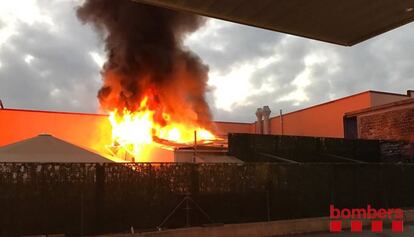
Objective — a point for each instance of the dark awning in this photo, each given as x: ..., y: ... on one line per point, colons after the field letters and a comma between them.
x: 345, y: 22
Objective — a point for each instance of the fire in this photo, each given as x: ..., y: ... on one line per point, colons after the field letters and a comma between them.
x: 134, y: 133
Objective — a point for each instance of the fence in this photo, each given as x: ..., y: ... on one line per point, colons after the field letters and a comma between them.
x: 78, y: 199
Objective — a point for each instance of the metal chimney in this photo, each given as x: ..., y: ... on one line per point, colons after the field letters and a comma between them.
x: 266, y: 119
x: 259, y: 115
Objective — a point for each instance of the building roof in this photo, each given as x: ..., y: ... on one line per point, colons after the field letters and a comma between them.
x: 49, y: 149
x: 340, y: 22
x: 406, y: 102
x: 53, y: 112
x: 403, y: 97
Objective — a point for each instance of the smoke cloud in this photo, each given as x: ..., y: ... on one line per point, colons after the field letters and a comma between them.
x: 146, y: 57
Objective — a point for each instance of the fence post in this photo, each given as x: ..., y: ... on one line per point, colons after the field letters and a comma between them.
x: 268, y: 199
x: 195, y: 179
x: 99, y: 197
x: 82, y: 211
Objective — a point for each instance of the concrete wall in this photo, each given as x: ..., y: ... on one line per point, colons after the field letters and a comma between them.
x: 81, y: 129
x: 323, y: 120
x: 282, y: 149
x: 90, y: 130
x: 295, y: 149
x: 224, y: 128
x: 318, y: 226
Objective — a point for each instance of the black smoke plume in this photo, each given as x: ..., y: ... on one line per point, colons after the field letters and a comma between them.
x: 145, y: 52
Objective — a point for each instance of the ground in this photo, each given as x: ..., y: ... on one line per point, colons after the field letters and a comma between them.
x: 408, y: 232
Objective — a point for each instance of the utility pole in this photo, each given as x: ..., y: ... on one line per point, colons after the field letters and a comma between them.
x: 195, y: 146
x: 281, y: 121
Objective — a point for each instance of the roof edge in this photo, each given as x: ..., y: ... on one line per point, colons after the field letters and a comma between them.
x: 391, y: 93
x: 53, y: 112
x: 380, y: 107
x: 324, y: 103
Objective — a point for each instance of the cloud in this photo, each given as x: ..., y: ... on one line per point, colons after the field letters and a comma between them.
x: 300, y: 72
x: 223, y: 44
x: 48, y: 64
x: 49, y: 60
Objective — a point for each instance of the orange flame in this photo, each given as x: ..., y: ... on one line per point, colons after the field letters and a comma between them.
x: 135, y: 133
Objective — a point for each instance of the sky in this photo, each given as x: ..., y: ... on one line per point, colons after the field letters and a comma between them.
x: 49, y: 60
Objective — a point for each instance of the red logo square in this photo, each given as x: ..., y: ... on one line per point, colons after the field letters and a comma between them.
x: 356, y: 226
x: 397, y: 226
x: 376, y: 226
x: 336, y: 226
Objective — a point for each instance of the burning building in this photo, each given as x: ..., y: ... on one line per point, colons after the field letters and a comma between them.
x: 94, y: 131
x: 153, y: 87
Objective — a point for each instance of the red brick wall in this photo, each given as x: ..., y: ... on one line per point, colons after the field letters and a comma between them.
x: 388, y: 125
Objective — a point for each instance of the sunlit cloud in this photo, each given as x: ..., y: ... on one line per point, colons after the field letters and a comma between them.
x: 28, y: 58
x: 98, y: 58
x: 304, y: 79
x: 25, y: 11
x: 233, y: 88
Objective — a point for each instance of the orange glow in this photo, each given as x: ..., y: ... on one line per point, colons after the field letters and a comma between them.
x: 134, y: 134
